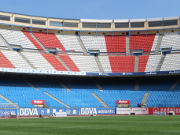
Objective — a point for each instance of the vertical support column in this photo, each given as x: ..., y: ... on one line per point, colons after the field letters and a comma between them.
x: 127, y: 45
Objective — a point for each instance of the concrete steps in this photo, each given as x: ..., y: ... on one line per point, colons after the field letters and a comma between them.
x: 100, y: 100
x: 9, y: 101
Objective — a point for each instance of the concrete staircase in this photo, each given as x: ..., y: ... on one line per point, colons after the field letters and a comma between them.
x: 159, y: 44
x: 145, y: 98
x: 39, y: 42
x: 64, y: 86
x: 99, y: 87
x: 136, y: 64
x: 161, y: 62
x: 85, y: 52
x: 7, y: 44
x: 57, y: 99
x: 9, y: 101
x: 37, y: 89
x: 67, y: 68
x: 127, y: 46
x: 100, y: 100
x: 174, y: 85
x: 30, y: 64
x: 136, y: 87
x: 99, y: 64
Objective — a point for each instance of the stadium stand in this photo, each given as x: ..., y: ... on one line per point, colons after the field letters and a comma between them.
x: 142, y: 63
x: 152, y: 63
x: 70, y: 42
x: 144, y: 42
x: 94, y: 42
x: 85, y: 63
x: 38, y: 61
x: 16, y: 38
x: 115, y: 43
x: 16, y: 59
x: 122, y: 63
x: 171, y: 40
x: 4, y: 62
x: 171, y: 62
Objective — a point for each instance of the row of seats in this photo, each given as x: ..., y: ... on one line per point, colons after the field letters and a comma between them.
x: 80, y: 63
x: 80, y: 93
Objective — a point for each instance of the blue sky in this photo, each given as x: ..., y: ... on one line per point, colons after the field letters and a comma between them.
x: 94, y: 9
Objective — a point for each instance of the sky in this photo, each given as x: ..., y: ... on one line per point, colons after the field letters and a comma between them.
x: 94, y: 9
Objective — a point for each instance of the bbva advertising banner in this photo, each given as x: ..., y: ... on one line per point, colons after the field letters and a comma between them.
x: 69, y: 111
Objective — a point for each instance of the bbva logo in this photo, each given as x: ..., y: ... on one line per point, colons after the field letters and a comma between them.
x: 88, y: 111
x: 28, y: 111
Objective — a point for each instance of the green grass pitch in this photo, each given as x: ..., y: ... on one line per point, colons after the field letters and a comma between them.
x: 106, y: 125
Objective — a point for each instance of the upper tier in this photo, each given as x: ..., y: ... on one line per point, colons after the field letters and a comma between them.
x: 89, y: 24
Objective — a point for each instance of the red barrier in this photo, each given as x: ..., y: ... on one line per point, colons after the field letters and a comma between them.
x: 176, y: 110
x: 37, y: 102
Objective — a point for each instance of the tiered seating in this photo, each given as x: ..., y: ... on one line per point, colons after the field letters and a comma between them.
x: 54, y: 62
x: 152, y: 63
x: 3, y: 101
x: 163, y: 99
x: 155, y: 43
x: 72, y: 66
x: 38, y: 61
x: 28, y: 35
x: 171, y: 40
x: 2, y: 44
x: 17, y: 38
x: 142, y: 63
x: 171, y: 62
x: 105, y: 63
x: 142, y: 42
x: 49, y: 40
x: 22, y: 94
x: 4, y: 62
x: 85, y: 63
x: 16, y: 59
x: 78, y: 97
x: 122, y: 63
x: 70, y: 42
x: 94, y: 42
x: 115, y: 43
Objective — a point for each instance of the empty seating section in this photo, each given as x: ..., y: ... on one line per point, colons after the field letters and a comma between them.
x: 75, y: 98
x: 110, y: 96
x: 105, y: 63
x: 38, y: 61
x: 16, y: 59
x: 163, y: 99
x: 54, y: 62
x: 17, y: 38
x: 152, y: 63
x: 70, y: 42
x: 115, y: 43
x: 66, y: 59
x: 171, y: 62
x: 2, y: 101
x: 94, y: 42
x: 4, y: 62
x: 171, y: 40
x: 2, y: 44
x: 155, y: 43
x: 49, y: 40
x: 144, y: 42
x: 28, y: 35
x: 85, y: 63
x: 142, y: 63
x: 22, y: 94
x: 122, y: 63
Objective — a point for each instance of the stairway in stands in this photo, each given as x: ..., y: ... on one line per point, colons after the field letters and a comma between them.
x: 51, y: 41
